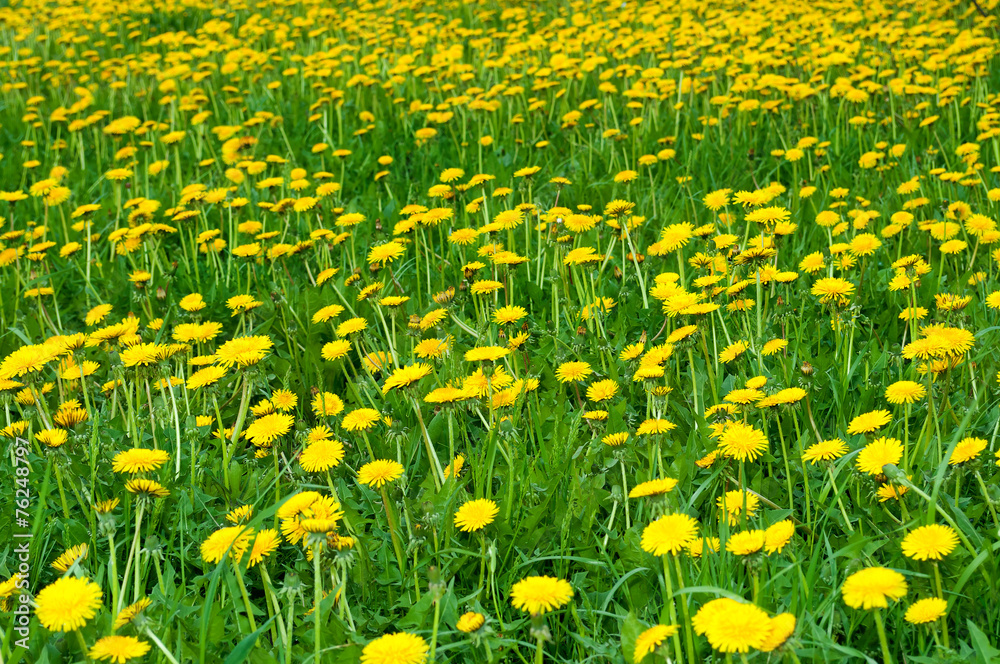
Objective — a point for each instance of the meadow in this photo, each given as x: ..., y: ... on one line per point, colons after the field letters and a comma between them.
x: 410, y: 332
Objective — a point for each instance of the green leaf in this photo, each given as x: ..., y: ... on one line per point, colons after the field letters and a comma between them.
x: 631, y: 629
x: 417, y: 615
x: 985, y: 652
x: 243, y: 648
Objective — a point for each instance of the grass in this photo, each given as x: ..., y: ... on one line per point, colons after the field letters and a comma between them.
x: 710, y: 216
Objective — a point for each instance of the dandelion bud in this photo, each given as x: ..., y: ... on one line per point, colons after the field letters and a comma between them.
x: 894, y: 474
x: 445, y: 296
x: 435, y: 584
x: 106, y: 525
x: 806, y: 369
x: 539, y: 629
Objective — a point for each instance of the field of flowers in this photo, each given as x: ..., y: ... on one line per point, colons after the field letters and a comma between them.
x: 404, y: 332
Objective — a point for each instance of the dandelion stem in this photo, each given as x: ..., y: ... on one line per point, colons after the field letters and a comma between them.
x: 392, y: 532
x: 227, y: 454
x: 987, y: 500
x: 886, y: 656
x: 940, y: 594
x: 628, y: 518
x: 272, y: 600
x: 246, y: 597
x: 686, y: 611
x: 83, y: 644
x: 669, y: 599
x: 482, y: 560
x: 436, y: 471
x: 62, y: 492
x: 906, y: 438
x: 434, y: 632
x: 788, y: 471
x: 159, y: 644
x: 840, y: 502
x: 317, y: 599
x: 113, y: 571
x: 131, y: 555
